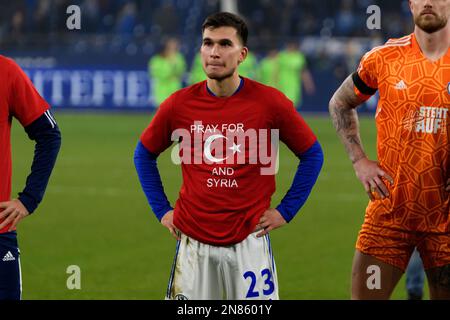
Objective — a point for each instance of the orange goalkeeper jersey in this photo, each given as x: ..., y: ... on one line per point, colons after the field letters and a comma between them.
x: 412, y: 133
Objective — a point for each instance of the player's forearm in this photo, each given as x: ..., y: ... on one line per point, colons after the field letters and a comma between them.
x: 48, y: 142
x: 347, y: 127
x: 308, y: 81
x: 150, y: 180
x: 345, y: 119
x: 308, y: 170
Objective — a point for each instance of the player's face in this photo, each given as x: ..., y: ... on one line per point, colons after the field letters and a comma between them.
x: 221, y: 52
x: 430, y: 15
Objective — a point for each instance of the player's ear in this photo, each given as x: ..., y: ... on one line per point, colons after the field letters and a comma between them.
x: 243, y: 55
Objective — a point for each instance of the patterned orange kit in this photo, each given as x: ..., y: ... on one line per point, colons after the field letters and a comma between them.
x: 412, y: 120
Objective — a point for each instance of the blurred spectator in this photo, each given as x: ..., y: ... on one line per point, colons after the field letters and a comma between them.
x: 41, y: 17
x: 272, y: 22
x: 166, y: 19
x: 166, y: 71
x: 344, y: 20
x: 17, y: 25
x: 127, y: 19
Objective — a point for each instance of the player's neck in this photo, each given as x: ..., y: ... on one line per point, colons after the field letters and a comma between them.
x: 226, y: 87
x: 433, y: 45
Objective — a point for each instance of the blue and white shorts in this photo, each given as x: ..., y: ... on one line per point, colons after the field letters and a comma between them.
x: 242, y: 271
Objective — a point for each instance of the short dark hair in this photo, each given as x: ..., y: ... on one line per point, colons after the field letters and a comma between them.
x: 227, y: 19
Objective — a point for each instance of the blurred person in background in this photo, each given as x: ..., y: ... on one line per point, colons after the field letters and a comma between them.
x: 166, y: 71
x: 248, y: 67
x: 293, y: 73
x: 345, y: 18
x: 268, y: 69
x: 196, y: 74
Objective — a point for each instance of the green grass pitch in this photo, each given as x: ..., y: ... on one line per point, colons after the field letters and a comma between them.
x: 95, y: 215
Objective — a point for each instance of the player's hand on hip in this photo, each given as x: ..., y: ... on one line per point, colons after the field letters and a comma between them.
x: 270, y: 219
x: 167, y: 221
x: 370, y: 175
x: 13, y: 212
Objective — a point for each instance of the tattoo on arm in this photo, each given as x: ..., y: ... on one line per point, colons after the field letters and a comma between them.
x: 345, y: 119
x: 354, y: 139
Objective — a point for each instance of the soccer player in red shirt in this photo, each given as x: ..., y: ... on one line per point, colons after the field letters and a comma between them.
x: 408, y: 186
x: 226, y: 126
x: 19, y: 99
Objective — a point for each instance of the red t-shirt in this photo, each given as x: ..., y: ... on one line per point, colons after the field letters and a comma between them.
x: 19, y: 99
x: 224, y: 140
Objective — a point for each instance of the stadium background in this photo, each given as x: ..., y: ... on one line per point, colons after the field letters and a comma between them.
x: 95, y: 215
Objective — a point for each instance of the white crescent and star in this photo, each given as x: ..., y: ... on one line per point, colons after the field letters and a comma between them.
x: 207, y: 148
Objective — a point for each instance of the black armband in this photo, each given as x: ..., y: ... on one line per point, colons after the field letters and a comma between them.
x: 361, y: 85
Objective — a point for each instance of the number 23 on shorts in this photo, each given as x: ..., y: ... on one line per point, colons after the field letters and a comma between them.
x: 269, y: 285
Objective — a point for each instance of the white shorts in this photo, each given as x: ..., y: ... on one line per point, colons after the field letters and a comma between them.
x: 242, y: 271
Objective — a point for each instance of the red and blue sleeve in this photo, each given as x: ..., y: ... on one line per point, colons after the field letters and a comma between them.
x: 293, y: 129
x: 45, y: 132
x: 157, y: 136
x: 155, y: 139
x: 25, y: 102
x: 33, y: 112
